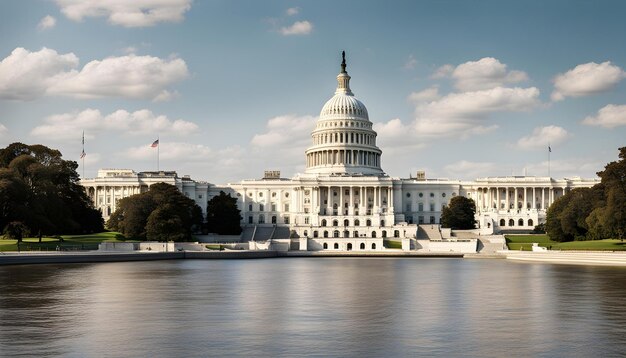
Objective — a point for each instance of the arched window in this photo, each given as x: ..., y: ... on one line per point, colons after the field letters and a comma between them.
x: 346, y: 222
x: 357, y: 222
x: 306, y: 233
x: 336, y: 233
x: 384, y: 233
x: 511, y: 222
x: 273, y: 219
x: 373, y: 246
x: 336, y: 246
x: 362, y: 246
x: 346, y: 233
x: 325, y: 246
x: 520, y: 222
x: 530, y: 222
x: 502, y: 222
x: 325, y: 233
x: 324, y: 222
x: 335, y: 223
x: 368, y: 222
x: 396, y: 233
x: 349, y: 247
x: 356, y: 234
x: 373, y: 233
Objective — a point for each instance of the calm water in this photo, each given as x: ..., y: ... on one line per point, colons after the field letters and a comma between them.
x: 313, y: 306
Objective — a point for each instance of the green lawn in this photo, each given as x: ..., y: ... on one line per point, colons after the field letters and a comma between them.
x: 70, y: 242
x: 392, y: 244
x: 515, y: 242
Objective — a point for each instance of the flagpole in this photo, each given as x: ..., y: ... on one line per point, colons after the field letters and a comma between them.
x: 158, y: 150
x: 82, y: 155
x: 549, y: 151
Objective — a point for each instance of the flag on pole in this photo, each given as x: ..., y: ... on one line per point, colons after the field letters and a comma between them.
x: 155, y: 144
x: 83, y: 154
x: 549, y: 149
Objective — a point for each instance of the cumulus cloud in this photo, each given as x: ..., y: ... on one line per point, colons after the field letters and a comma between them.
x: 586, y: 79
x: 286, y: 130
x: 297, y: 28
x: 26, y: 75
x: 483, y: 74
x: 427, y: 95
x: 469, y: 169
x: 609, y: 116
x: 171, y: 151
x: 67, y: 125
x: 137, y: 13
x: 464, y: 114
x: 292, y: 11
x: 47, y: 22
x: 541, y: 137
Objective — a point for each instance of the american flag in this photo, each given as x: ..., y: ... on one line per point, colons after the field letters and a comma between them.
x: 83, y: 154
x: 155, y: 144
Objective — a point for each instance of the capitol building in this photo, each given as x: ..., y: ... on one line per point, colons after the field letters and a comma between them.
x: 344, y: 200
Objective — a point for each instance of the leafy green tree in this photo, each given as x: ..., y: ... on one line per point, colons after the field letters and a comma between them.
x: 41, y: 190
x: 223, y: 215
x: 613, y: 217
x: 163, y: 214
x: 459, y: 214
x: 15, y: 230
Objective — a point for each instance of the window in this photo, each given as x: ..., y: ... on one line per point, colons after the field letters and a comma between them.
x: 334, y: 193
x: 373, y: 246
x: 324, y: 222
x: 199, y: 196
x: 408, y: 195
x: 325, y: 233
x: 336, y: 233
x: 432, y: 206
x: 432, y: 195
x: 502, y: 222
x: 249, y: 219
x: 374, y: 234
x: 261, y: 219
x: 335, y: 223
x: 511, y: 222
x: 432, y: 219
x: 443, y: 195
x: 336, y: 246
x: 347, y: 192
x: 420, y: 219
x: 273, y: 206
x: 420, y: 207
x: 250, y: 207
x: 260, y: 195
x: 325, y: 246
x: 530, y: 222
x: 286, y: 221
x: 286, y: 207
x: 520, y: 222
x: 382, y: 223
x: 286, y: 195
x: 396, y: 233
x: 362, y: 246
x: 306, y: 220
x: 315, y: 233
x: 421, y: 195
x: 273, y: 194
x: 408, y: 207
x: 261, y: 207
x: 384, y: 233
x: 368, y: 222
x: 346, y: 222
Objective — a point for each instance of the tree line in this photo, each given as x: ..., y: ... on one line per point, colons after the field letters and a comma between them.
x: 40, y: 194
x: 592, y: 213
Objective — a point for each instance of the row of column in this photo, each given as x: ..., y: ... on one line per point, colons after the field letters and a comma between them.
x: 356, y: 195
x: 343, y: 157
x: 109, y: 194
x: 542, y: 195
x: 349, y: 138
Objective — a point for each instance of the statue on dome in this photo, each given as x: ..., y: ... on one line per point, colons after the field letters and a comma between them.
x: 343, y: 61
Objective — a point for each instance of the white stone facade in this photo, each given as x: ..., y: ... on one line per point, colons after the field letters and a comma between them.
x: 344, y: 200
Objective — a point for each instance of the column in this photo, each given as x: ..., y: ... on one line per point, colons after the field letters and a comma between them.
x: 506, y: 194
x: 516, y: 199
x: 340, y: 206
x: 525, y: 199
x: 350, y: 202
x: 534, y: 204
x: 543, y: 198
x: 498, y: 198
x: 328, y: 205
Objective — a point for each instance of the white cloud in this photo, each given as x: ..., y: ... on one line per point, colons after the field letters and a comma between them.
x: 47, y: 22
x: 427, y: 95
x: 292, y: 11
x: 287, y: 130
x: 26, y: 75
x: 171, y: 151
x: 609, y: 116
x: 298, y: 28
x: 586, y: 79
x: 410, y: 63
x: 483, y: 74
x: 541, y: 137
x: 136, y: 13
x: 442, y: 72
x: 468, y: 169
x: 143, y: 122
x: 464, y: 114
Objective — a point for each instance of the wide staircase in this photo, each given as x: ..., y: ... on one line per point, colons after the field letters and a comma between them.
x: 491, y: 244
x: 428, y: 232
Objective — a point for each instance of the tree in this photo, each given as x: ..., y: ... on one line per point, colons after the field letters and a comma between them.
x: 15, y: 230
x: 41, y: 190
x: 163, y: 214
x: 613, y: 217
x: 459, y: 214
x: 223, y: 215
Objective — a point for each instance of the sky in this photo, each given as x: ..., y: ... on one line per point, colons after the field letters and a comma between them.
x: 459, y: 89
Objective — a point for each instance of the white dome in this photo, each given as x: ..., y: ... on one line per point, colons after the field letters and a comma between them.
x: 344, y: 106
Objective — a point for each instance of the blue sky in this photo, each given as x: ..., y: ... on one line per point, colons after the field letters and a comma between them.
x: 460, y: 89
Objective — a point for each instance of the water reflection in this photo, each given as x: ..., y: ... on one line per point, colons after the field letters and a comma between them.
x: 317, y: 306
